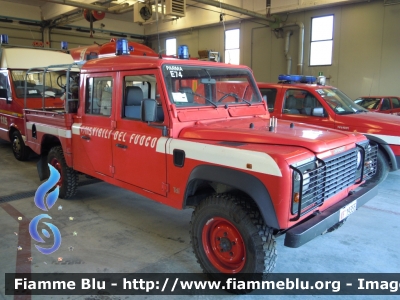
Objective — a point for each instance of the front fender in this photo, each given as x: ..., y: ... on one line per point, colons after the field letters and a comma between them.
x: 244, y: 182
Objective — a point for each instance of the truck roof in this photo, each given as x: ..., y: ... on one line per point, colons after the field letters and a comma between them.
x: 26, y: 58
x: 312, y: 86
x: 133, y: 62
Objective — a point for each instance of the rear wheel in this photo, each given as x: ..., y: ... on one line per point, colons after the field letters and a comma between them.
x: 229, y: 236
x: 20, y: 150
x: 68, y: 182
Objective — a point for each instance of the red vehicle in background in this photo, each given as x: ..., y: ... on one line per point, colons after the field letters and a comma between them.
x: 42, y: 89
x: 381, y: 104
x: 297, y: 98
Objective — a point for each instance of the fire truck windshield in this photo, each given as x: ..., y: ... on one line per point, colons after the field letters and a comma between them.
x: 190, y: 86
x: 36, y: 84
x: 339, y: 101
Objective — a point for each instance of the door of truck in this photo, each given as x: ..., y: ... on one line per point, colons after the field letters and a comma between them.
x: 395, y: 105
x: 299, y: 105
x: 139, y: 148
x: 5, y: 111
x: 92, y: 139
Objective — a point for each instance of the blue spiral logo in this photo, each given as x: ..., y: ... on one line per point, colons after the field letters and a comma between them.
x: 46, y: 203
x: 35, y: 234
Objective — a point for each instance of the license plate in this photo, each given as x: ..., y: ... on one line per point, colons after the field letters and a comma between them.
x: 347, y: 210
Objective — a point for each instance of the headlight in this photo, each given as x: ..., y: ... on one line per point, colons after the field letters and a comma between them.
x: 307, y: 184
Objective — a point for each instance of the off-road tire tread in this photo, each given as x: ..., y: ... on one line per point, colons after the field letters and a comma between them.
x: 70, y: 175
x: 266, y: 252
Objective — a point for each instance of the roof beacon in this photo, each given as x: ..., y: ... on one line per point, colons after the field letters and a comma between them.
x: 64, y: 45
x: 121, y: 47
x: 321, y: 80
x: 183, y: 52
x: 3, y: 39
x: 296, y: 78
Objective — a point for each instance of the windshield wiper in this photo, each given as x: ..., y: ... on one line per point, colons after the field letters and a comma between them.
x: 234, y: 95
x: 201, y: 96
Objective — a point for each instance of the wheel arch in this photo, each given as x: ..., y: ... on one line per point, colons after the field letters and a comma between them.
x: 48, y: 141
x: 203, y: 177
x: 387, y: 151
x: 11, y: 130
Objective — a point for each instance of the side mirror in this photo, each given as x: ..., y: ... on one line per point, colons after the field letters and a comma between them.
x: 318, y: 112
x: 148, y: 111
x: 3, y: 93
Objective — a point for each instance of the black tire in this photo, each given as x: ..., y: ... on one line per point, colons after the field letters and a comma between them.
x: 20, y: 150
x: 69, y: 178
x: 235, y: 213
x: 382, y: 170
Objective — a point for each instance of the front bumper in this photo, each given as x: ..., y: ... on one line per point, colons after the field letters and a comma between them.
x: 318, y: 224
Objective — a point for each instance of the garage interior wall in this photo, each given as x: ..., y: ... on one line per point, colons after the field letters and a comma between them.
x: 366, y: 44
x: 366, y: 47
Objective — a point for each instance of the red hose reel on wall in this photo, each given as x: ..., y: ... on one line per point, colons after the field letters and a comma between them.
x: 93, y: 16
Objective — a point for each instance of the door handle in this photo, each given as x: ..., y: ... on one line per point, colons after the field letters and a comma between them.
x: 121, y: 146
x: 85, y: 137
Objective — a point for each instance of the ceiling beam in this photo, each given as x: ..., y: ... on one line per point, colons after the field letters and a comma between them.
x: 237, y: 9
x: 77, y: 4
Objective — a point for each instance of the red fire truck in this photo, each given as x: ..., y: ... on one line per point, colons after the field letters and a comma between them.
x: 193, y: 134
x: 299, y: 99
x: 42, y: 89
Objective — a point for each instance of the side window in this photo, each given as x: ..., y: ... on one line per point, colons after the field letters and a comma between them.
x: 385, y: 104
x: 395, y: 103
x: 99, y: 96
x: 136, y: 89
x: 300, y: 102
x: 270, y: 94
x: 4, y: 83
x: 291, y: 105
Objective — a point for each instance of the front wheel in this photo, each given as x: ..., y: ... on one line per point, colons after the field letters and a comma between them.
x: 68, y: 182
x: 229, y: 236
x: 20, y: 150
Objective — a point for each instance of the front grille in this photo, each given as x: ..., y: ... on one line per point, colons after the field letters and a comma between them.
x: 340, y: 172
x: 321, y: 179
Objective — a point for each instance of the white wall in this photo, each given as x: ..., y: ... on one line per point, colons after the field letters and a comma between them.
x: 365, y: 52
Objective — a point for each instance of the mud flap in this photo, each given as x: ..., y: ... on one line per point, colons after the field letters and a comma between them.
x: 42, y: 167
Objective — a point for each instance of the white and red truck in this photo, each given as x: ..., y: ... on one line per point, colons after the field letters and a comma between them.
x: 194, y: 134
x: 14, y: 62
x: 299, y: 98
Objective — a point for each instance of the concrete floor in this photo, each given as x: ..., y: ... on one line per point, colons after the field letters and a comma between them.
x: 119, y: 231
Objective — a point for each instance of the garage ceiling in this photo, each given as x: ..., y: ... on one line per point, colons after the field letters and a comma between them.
x: 122, y: 10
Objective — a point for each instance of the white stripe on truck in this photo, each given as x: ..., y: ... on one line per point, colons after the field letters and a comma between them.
x: 226, y: 156
x: 50, y: 130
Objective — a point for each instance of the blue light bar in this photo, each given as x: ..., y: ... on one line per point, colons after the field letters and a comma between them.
x: 3, y: 39
x: 297, y: 78
x: 121, y: 47
x: 64, y: 45
x: 183, y: 52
